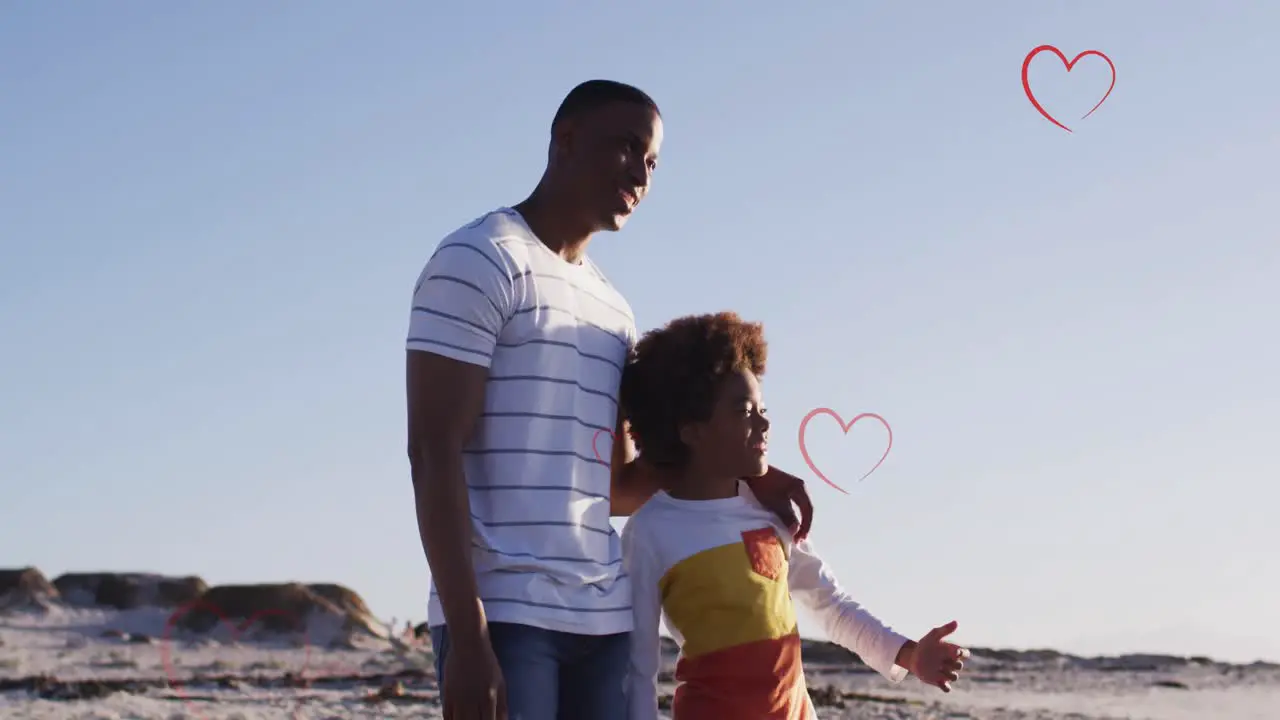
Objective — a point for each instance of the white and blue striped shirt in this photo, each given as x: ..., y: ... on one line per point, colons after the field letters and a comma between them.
x: 554, y: 336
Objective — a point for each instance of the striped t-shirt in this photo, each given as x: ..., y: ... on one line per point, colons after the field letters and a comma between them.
x: 554, y: 336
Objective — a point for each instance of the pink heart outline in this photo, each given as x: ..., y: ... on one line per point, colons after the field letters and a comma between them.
x: 166, y: 650
x: 1026, y: 83
x: 607, y: 463
x: 845, y: 427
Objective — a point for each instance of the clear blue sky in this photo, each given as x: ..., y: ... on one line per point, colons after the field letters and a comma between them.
x: 213, y: 214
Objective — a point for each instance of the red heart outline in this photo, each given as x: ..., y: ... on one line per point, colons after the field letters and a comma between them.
x: 1026, y: 84
x: 594, y: 449
x: 166, y: 652
x: 845, y: 427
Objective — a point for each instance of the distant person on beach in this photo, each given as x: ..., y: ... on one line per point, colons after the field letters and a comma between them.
x: 516, y: 345
x: 709, y: 557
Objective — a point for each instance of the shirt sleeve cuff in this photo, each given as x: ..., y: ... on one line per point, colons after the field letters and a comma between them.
x: 453, y: 352
x: 449, y: 340
x: 893, y: 672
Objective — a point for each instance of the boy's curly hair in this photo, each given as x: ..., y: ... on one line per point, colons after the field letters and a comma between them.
x: 673, y: 375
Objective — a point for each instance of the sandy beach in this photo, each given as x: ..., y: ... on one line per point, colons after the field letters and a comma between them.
x: 68, y: 663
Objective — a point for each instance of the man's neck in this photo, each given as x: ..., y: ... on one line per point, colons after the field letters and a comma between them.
x: 552, y: 226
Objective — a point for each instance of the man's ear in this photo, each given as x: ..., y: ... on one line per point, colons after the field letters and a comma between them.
x: 562, y: 139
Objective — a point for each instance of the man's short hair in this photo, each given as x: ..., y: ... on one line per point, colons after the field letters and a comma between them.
x: 593, y: 94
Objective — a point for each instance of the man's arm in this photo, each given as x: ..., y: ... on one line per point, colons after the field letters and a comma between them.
x: 777, y: 491
x: 445, y: 398
x: 465, y: 296
x: 631, y: 480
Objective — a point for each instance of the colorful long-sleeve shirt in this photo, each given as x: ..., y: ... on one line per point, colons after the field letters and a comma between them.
x: 723, y: 573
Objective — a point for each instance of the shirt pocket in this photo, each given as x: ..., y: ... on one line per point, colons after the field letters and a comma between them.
x: 764, y: 551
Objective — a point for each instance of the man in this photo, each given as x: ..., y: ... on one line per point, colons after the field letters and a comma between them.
x: 515, y: 353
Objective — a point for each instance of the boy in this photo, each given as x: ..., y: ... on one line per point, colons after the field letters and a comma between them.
x: 719, y: 566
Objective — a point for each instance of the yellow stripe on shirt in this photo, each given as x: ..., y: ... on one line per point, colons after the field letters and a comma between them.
x: 730, y: 595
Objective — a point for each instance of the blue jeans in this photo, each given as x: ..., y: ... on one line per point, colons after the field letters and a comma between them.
x: 554, y: 675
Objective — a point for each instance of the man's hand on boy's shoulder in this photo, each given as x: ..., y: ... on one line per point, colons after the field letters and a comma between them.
x: 777, y: 490
x: 932, y: 659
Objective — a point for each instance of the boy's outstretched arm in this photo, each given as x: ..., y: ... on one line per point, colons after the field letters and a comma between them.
x: 932, y: 660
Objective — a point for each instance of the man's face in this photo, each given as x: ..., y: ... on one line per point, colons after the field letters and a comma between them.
x: 608, y: 156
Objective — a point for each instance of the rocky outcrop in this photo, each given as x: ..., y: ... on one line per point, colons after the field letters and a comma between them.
x: 25, y: 588
x: 125, y: 591
x: 343, y: 597
x: 357, y: 620
x: 817, y: 651
x: 276, y: 607
x: 327, y: 614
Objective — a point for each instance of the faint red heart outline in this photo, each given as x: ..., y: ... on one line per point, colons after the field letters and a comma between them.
x: 608, y: 463
x: 846, y: 427
x: 1026, y: 84
x: 166, y: 652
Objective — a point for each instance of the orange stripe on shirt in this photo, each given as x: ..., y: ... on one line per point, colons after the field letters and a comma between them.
x: 763, y: 680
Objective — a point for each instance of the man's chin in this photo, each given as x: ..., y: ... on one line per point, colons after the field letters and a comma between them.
x: 613, y: 219
x: 614, y: 223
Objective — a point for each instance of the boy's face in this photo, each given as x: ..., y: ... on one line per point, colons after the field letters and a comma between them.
x: 734, y: 441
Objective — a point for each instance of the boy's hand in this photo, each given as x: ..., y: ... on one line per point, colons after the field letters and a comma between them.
x: 776, y: 490
x: 935, y: 661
